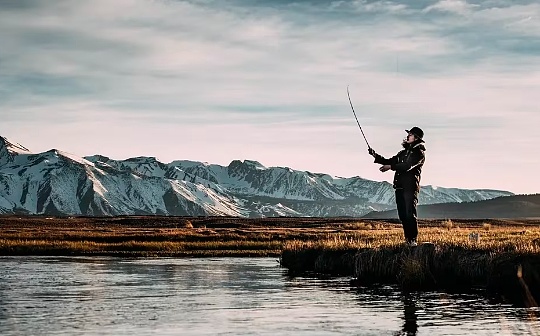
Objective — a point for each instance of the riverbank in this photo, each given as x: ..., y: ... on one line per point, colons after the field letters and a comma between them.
x: 500, y: 255
x: 503, y: 260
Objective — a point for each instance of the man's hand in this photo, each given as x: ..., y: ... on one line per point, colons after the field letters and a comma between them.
x: 385, y: 168
x: 371, y: 152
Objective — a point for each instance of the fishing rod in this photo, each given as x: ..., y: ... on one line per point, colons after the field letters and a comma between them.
x: 369, y: 147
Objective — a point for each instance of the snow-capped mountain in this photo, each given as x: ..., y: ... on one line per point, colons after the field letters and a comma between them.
x: 59, y: 183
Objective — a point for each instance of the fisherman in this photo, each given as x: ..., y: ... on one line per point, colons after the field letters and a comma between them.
x: 407, y: 165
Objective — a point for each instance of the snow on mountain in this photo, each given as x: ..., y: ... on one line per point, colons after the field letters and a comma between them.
x: 433, y: 195
x: 10, y: 150
x: 12, y: 147
x: 60, y: 183
x: 253, y: 179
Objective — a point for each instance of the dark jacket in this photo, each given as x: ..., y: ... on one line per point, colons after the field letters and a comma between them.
x: 407, y: 164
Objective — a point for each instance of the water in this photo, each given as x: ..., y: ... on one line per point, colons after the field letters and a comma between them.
x: 230, y: 296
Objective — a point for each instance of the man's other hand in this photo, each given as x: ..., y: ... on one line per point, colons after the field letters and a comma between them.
x: 385, y: 168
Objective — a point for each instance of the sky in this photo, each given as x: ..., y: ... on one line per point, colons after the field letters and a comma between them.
x: 223, y: 80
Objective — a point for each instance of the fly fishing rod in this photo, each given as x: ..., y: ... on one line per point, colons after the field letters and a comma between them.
x: 369, y: 147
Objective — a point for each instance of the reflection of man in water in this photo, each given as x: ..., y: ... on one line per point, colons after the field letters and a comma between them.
x: 410, y: 326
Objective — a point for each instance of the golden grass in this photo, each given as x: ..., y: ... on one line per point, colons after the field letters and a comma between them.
x: 495, y: 240
x: 37, y: 235
x: 179, y: 238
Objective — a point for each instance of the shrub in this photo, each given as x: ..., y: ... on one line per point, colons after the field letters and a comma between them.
x: 358, y: 226
x: 448, y: 224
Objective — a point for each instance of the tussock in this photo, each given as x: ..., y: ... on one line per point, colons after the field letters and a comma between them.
x: 448, y: 224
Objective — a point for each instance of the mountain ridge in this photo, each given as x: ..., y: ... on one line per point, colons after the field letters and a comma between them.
x: 60, y: 183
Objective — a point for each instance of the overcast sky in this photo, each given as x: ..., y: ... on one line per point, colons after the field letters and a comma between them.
x: 221, y: 80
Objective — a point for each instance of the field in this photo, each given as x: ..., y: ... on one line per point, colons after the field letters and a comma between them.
x: 160, y: 236
x: 226, y: 236
x: 502, y: 255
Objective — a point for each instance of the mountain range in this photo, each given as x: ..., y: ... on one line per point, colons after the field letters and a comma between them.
x: 59, y: 183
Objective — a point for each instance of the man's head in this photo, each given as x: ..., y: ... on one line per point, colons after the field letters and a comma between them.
x: 414, y: 134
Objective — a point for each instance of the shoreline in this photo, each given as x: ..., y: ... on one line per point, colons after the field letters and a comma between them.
x: 504, y: 259
x: 506, y: 263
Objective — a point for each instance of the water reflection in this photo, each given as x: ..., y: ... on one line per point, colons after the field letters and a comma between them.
x: 437, y: 313
x: 228, y: 296
x: 410, y: 323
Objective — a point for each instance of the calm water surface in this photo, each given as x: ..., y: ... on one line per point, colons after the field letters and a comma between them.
x: 231, y: 296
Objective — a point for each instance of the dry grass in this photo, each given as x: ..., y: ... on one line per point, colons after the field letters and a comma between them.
x: 153, y: 236
x: 495, y: 240
x: 210, y: 236
x: 138, y: 242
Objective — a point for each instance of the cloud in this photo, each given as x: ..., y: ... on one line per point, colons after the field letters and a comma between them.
x: 268, y: 78
x: 453, y: 6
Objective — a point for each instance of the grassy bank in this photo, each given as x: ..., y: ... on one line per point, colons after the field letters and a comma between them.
x: 161, y: 236
x: 504, y: 260
x: 226, y: 236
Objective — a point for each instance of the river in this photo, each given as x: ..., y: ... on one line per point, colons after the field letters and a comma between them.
x: 227, y: 296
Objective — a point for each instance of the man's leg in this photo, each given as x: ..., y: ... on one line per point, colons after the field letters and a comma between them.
x: 402, y: 210
x: 410, y: 224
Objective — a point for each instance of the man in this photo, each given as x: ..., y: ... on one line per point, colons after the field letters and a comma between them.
x: 407, y: 165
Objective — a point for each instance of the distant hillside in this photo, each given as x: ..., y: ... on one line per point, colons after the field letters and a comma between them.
x: 518, y: 206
